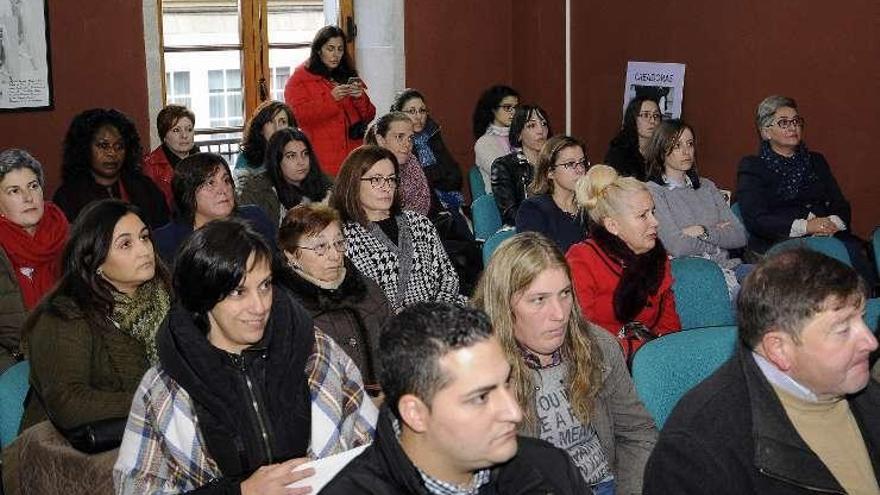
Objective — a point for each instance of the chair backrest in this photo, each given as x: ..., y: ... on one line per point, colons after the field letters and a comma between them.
x: 13, y: 389
x: 827, y: 245
x: 478, y: 186
x: 737, y: 212
x: 665, y: 369
x: 875, y: 245
x: 872, y: 313
x: 701, y: 295
x: 493, y: 241
x: 487, y: 219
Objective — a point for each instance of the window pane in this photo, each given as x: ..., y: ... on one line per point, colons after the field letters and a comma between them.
x: 294, y: 21
x: 181, y: 83
x: 233, y: 79
x: 187, y: 22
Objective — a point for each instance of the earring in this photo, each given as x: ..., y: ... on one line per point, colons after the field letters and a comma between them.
x: 99, y: 272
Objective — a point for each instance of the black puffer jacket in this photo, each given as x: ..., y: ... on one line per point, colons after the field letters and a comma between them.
x: 384, y: 468
x: 511, y: 176
x: 353, y: 315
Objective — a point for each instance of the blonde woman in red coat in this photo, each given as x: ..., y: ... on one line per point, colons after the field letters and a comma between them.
x: 329, y: 100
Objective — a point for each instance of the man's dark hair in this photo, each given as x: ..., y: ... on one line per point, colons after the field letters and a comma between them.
x: 414, y: 342
x: 212, y: 262
x: 788, y: 288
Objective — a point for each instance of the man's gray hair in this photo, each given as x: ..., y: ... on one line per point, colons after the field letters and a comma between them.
x: 14, y: 159
x: 768, y: 107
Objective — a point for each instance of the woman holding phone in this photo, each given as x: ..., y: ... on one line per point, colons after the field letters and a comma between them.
x: 329, y: 100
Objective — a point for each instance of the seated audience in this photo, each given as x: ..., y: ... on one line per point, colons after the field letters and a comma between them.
x: 450, y: 420
x: 88, y: 344
x: 622, y: 277
x: 394, y: 131
x: 552, y: 209
x: 101, y: 159
x: 203, y: 192
x: 627, y: 152
x: 512, y: 174
x: 330, y: 100
x: 693, y: 217
x: 175, y: 125
x: 245, y: 389
x: 292, y: 176
x: 32, y: 235
x: 568, y: 376
x: 399, y: 250
x: 440, y: 168
x: 269, y: 117
x: 343, y: 303
x: 794, y: 410
x: 493, y: 115
x: 788, y: 191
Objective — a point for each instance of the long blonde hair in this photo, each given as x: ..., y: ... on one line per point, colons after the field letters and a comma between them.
x: 601, y: 192
x: 516, y: 263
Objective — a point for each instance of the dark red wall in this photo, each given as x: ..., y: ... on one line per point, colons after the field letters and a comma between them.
x: 97, y: 56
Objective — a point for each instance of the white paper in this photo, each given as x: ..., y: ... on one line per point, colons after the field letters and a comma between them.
x: 24, y: 65
x: 663, y: 81
x: 326, y: 469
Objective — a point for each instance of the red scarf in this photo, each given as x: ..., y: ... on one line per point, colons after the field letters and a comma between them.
x: 39, y: 255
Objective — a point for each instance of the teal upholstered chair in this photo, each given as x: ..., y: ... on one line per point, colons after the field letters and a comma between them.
x: 827, y: 245
x: 701, y: 296
x: 875, y: 244
x: 494, y: 241
x: 13, y: 389
x: 487, y: 219
x: 478, y: 186
x: 872, y: 313
x: 666, y: 368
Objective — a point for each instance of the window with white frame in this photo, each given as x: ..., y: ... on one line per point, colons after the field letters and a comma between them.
x: 178, y: 88
x: 224, y: 98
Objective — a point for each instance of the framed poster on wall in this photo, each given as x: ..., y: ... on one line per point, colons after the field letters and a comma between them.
x: 25, y: 74
x: 663, y: 82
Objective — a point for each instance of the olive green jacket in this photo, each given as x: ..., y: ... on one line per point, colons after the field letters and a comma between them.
x: 12, y: 313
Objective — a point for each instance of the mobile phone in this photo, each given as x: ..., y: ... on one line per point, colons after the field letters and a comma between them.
x: 354, y: 80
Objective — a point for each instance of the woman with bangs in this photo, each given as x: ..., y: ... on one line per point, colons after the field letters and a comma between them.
x: 568, y: 375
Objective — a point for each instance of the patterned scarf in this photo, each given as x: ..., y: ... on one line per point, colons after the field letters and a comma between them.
x: 420, y: 144
x: 140, y: 314
x: 795, y: 171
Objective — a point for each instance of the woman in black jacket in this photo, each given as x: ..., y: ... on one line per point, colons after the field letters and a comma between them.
x: 626, y: 152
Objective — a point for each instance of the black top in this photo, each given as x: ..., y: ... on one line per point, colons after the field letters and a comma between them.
x: 138, y: 189
x: 625, y: 157
x: 542, y: 214
x: 511, y: 176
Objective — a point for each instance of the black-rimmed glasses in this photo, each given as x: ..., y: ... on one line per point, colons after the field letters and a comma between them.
x: 786, y: 123
x: 340, y: 245
x: 576, y: 165
x: 380, y: 181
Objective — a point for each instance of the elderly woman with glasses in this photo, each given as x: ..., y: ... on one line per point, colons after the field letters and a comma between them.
x: 552, y: 209
x: 787, y: 191
x: 343, y: 303
x: 399, y: 250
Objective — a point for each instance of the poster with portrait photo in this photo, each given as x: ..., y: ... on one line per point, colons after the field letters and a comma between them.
x: 664, y: 82
x: 25, y: 78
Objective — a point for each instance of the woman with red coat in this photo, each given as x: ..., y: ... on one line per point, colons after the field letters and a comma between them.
x: 329, y: 101
x: 622, y: 276
x: 175, y: 125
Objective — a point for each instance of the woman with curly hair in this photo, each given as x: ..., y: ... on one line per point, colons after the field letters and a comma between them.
x: 492, y: 117
x: 568, y: 375
x: 101, y: 159
x: 292, y: 176
x: 269, y: 118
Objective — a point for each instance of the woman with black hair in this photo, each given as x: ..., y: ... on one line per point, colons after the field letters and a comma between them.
x: 512, y: 173
x: 492, y: 118
x: 292, y: 176
x: 269, y: 118
x: 329, y: 99
x: 203, y: 192
x: 627, y: 151
x: 246, y: 389
x: 101, y: 159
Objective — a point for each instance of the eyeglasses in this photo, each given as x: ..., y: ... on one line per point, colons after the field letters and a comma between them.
x: 412, y: 112
x: 786, y: 123
x: 651, y: 116
x: 106, y: 147
x: 340, y: 245
x: 215, y: 185
x: 508, y: 108
x: 379, y: 181
x: 577, y: 166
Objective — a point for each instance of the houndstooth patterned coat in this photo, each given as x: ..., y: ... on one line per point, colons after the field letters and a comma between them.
x: 416, y: 270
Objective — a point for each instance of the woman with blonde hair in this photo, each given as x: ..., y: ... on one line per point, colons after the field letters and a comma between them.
x: 568, y: 376
x: 622, y: 275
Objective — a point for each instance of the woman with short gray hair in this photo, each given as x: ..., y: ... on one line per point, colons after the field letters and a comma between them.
x: 787, y: 191
x: 32, y: 234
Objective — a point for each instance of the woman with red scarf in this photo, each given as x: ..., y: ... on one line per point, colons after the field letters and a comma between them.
x: 32, y: 235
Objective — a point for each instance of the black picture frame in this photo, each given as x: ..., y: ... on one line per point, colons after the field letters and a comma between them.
x: 25, y: 56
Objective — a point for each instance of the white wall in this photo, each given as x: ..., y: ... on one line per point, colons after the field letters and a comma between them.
x: 380, y: 49
x: 154, y: 69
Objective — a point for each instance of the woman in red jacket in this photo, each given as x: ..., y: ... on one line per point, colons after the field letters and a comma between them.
x: 329, y: 101
x: 175, y: 125
x: 622, y: 275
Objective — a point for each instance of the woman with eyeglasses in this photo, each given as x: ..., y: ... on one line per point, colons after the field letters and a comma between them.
x: 787, y: 191
x: 394, y: 131
x: 552, y: 209
x: 343, y: 303
x: 441, y: 169
x: 493, y: 115
x: 203, y: 192
x: 628, y: 149
x: 693, y: 217
x: 512, y: 174
x: 398, y: 249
